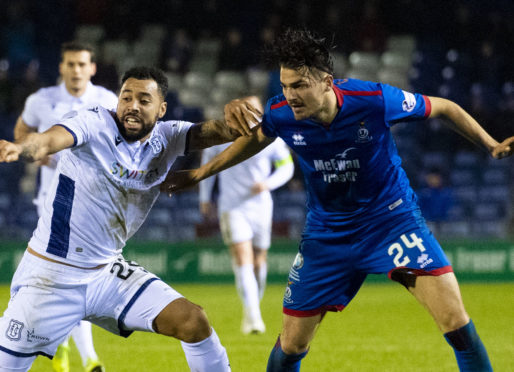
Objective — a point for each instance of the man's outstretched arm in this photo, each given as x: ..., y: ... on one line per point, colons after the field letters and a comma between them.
x: 242, y: 149
x: 36, y: 146
x: 468, y: 127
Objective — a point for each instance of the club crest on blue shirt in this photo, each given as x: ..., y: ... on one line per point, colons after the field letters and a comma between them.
x: 363, y: 134
x: 409, y: 102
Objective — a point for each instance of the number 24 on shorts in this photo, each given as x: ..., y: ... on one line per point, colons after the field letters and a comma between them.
x: 399, y: 258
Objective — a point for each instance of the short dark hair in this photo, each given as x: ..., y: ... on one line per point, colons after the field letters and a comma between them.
x: 78, y: 46
x: 148, y: 73
x: 297, y: 48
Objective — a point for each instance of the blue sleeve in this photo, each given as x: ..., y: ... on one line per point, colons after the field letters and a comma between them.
x: 268, y: 128
x: 404, y: 106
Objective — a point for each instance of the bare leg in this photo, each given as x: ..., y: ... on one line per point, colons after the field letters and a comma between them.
x: 188, y: 322
x: 440, y: 295
x: 293, y: 343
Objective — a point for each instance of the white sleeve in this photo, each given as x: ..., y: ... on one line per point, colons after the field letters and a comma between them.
x: 205, y: 187
x: 30, y: 111
x: 80, y: 124
x: 284, y: 166
x: 175, y: 132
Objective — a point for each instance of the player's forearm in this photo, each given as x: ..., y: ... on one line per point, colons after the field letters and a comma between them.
x: 284, y: 171
x: 462, y: 123
x: 210, y: 133
x: 33, y: 147
x: 242, y: 149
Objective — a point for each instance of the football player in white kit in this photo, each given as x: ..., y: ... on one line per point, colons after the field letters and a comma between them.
x: 245, y: 210
x: 104, y: 187
x: 42, y: 110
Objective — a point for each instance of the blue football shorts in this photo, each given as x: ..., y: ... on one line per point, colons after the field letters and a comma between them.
x: 331, y: 266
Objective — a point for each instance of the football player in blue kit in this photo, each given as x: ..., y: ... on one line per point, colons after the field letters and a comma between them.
x: 362, y: 213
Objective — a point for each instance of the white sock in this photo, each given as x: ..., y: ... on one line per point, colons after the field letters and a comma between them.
x: 248, y: 290
x: 262, y: 275
x: 207, y: 355
x: 83, y: 338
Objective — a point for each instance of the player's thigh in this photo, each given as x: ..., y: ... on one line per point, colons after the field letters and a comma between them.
x: 242, y: 252
x: 261, y: 222
x: 322, y: 277
x: 45, y: 305
x: 126, y: 297
x: 404, y: 251
x: 298, y: 332
x: 441, y: 296
x: 235, y: 227
x: 15, y: 363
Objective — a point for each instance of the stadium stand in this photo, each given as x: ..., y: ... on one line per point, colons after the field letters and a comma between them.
x: 411, y: 58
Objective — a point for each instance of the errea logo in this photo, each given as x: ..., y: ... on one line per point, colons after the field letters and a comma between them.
x: 298, y: 140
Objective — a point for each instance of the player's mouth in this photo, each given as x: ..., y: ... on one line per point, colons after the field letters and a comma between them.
x: 132, y: 122
x: 297, y: 108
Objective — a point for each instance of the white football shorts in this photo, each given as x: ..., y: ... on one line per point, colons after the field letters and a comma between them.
x: 49, y: 299
x: 243, y: 224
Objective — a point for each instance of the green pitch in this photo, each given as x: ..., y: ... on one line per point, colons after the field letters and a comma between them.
x: 383, y: 329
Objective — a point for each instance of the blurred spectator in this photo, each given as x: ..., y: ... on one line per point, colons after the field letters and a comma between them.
x: 233, y: 54
x: 371, y: 32
x: 177, y: 51
x: 25, y: 86
x: 6, y: 87
x: 18, y: 36
x: 435, y: 199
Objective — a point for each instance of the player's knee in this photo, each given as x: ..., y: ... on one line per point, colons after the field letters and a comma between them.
x: 183, y: 320
x: 290, y: 346
x: 452, y: 319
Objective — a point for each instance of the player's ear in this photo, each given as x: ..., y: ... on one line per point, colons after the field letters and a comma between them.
x: 93, y: 68
x: 162, y: 109
x: 328, y: 80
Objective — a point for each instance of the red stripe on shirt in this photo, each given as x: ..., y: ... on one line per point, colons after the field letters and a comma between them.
x: 428, y: 106
x: 361, y: 92
x: 278, y: 105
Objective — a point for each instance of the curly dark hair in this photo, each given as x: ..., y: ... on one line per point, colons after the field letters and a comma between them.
x: 298, y: 48
x: 148, y: 73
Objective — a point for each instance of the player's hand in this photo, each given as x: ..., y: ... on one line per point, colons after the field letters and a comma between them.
x: 179, y: 180
x: 242, y: 116
x: 9, y: 151
x: 258, y: 188
x: 504, y: 149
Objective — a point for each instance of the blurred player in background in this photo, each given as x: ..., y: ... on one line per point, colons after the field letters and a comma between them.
x: 42, y: 110
x: 104, y: 187
x: 245, y: 210
x: 362, y: 213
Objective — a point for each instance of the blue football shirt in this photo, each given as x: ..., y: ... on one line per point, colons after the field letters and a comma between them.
x: 352, y: 169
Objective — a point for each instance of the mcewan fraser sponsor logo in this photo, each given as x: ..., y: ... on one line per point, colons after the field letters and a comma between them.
x: 339, y: 168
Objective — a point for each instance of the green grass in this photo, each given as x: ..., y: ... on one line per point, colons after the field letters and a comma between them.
x: 383, y: 329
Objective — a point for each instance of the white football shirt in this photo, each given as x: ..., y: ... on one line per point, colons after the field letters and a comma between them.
x: 235, y: 183
x: 104, y: 187
x: 47, y: 106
